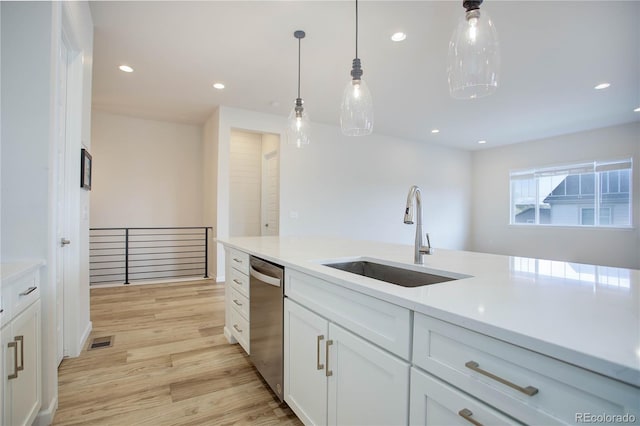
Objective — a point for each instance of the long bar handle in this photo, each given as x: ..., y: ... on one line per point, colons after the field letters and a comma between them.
x: 328, y: 372
x: 14, y: 345
x: 318, y: 365
x: 529, y: 390
x: 236, y: 327
x: 466, y: 414
x: 21, y: 340
x: 237, y: 281
x: 236, y: 302
x: 28, y: 291
x: 235, y: 259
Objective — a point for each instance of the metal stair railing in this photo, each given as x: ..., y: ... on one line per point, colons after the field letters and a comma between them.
x: 122, y: 255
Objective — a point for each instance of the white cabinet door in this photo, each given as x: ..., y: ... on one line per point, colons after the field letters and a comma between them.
x: 22, y: 398
x: 305, y: 383
x: 433, y: 402
x: 368, y: 386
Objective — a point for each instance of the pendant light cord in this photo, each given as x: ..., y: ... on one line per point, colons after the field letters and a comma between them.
x: 298, y: 68
x: 356, y: 29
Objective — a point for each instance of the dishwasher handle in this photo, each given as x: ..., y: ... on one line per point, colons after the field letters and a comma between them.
x: 276, y: 282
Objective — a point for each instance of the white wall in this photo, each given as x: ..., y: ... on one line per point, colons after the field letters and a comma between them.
x: 355, y: 187
x: 491, y: 231
x: 145, y: 173
x: 245, y: 178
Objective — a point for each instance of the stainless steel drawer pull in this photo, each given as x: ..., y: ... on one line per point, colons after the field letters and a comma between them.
x: 328, y: 372
x: 318, y: 365
x: 529, y: 390
x: 237, y: 281
x: 21, y: 340
x: 14, y: 345
x: 236, y: 327
x: 235, y: 259
x: 28, y: 291
x: 236, y: 302
x: 466, y: 414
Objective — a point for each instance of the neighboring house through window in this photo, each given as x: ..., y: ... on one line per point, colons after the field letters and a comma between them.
x: 587, y: 194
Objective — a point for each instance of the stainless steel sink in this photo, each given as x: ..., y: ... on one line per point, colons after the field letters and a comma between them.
x: 392, y: 274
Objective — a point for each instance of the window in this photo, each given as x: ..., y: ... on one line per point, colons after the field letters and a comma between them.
x: 586, y: 194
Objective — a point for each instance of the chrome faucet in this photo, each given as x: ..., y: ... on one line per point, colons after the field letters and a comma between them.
x: 414, y: 192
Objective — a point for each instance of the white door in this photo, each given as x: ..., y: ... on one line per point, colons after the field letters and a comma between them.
x: 369, y: 386
x: 305, y: 381
x: 61, y: 198
x: 270, y: 204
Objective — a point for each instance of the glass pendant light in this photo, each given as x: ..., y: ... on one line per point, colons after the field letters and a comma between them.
x: 298, y: 122
x: 474, y: 55
x: 356, y: 112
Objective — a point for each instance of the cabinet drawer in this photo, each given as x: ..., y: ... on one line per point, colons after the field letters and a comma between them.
x: 526, y: 385
x: 240, y: 329
x: 239, y: 260
x: 239, y: 282
x: 433, y: 402
x: 240, y: 303
x: 19, y: 295
x: 385, y: 324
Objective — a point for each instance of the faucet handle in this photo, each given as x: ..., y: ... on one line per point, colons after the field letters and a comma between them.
x: 427, y: 249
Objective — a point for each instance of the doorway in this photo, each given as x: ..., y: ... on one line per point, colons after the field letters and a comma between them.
x: 254, y: 196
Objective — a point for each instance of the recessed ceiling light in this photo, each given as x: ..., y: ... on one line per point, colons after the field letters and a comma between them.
x: 602, y: 86
x: 435, y: 131
x: 399, y: 36
x: 218, y: 86
x: 125, y: 68
x: 637, y: 109
x: 482, y: 142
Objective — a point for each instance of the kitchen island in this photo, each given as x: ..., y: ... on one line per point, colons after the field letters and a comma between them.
x: 579, y: 323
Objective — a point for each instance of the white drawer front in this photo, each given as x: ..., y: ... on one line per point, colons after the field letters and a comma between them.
x: 385, y: 324
x: 20, y: 294
x: 435, y: 403
x: 239, y: 282
x: 239, y: 260
x: 240, y: 303
x: 240, y: 329
x: 463, y: 358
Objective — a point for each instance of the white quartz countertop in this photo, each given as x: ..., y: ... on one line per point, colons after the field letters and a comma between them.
x: 11, y: 271
x: 582, y: 314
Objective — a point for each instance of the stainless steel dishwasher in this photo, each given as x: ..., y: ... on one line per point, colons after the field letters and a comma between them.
x: 266, y: 321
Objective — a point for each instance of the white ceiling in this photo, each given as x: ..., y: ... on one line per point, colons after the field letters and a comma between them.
x: 553, y: 54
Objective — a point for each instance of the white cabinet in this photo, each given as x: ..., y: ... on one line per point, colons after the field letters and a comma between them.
x: 334, y: 377
x: 237, y: 297
x: 528, y: 386
x: 433, y: 402
x: 21, y: 348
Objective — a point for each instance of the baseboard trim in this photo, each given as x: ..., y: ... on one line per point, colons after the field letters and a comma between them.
x: 229, y: 336
x: 220, y: 279
x: 85, y: 337
x: 46, y: 415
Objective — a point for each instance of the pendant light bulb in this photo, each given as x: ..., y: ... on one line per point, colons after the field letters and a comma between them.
x: 474, y: 55
x: 298, y: 127
x: 356, y: 111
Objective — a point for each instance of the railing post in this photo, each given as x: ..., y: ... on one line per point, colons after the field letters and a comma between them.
x: 206, y: 252
x: 126, y: 255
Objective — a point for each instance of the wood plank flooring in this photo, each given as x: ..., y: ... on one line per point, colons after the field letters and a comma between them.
x: 169, y: 364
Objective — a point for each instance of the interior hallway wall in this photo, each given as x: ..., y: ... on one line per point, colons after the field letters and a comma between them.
x: 145, y: 173
x: 491, y: 231
x: 355, y: 187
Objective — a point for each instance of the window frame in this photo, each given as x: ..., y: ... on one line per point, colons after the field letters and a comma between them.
x: 570, y: 169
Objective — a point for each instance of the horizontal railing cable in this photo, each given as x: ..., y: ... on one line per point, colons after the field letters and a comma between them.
x: 122, y: 255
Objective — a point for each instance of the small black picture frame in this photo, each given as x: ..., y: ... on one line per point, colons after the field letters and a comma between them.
x: 85, y: 169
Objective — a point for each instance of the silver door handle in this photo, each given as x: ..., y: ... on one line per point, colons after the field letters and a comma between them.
x: 318, y: 365
x: 328, y: 372
x: 64, y: 242
x: 236, y: 302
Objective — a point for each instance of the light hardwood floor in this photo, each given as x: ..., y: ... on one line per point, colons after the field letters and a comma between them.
x: 170, y: 364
